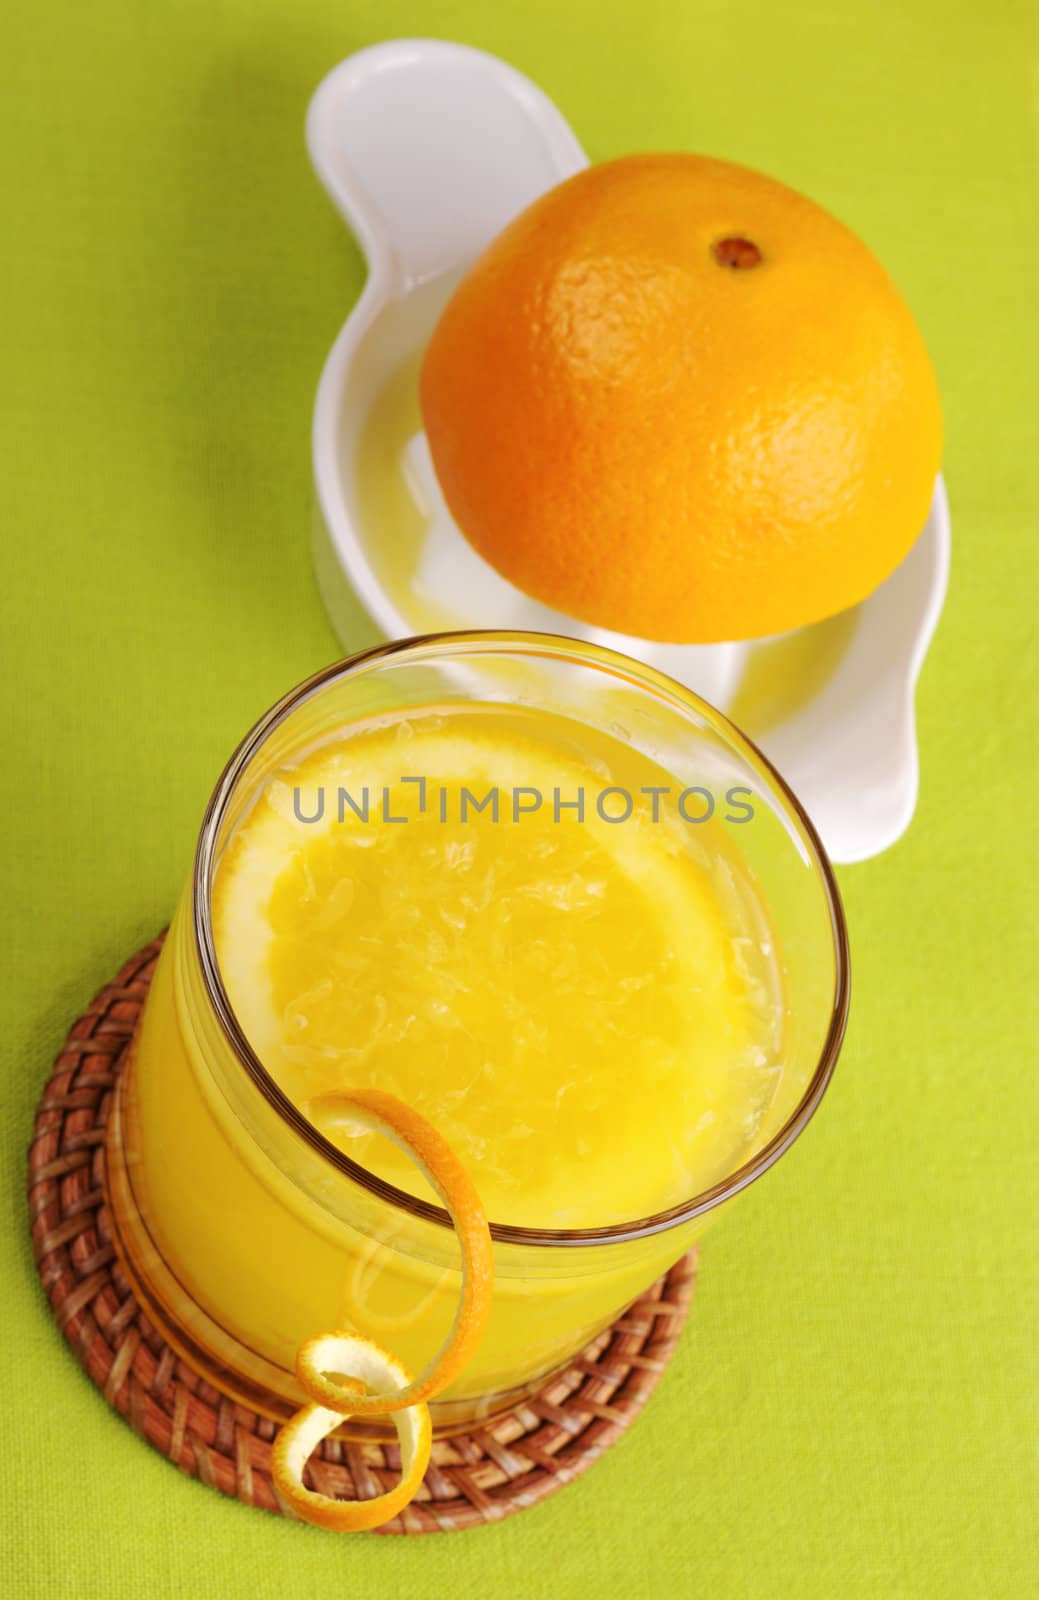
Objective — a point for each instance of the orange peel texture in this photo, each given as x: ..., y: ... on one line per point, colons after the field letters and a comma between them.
x: 374, y: 1382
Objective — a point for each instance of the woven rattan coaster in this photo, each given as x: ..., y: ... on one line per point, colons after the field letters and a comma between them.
x: 479, y: 1476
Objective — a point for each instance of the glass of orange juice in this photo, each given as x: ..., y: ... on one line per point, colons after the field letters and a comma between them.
x: 544, y: 895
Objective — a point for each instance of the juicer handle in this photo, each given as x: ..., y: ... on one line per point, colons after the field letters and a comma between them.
x: 429, y: 148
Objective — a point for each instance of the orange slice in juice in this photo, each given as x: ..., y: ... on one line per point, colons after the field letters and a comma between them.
x: 531, y: 983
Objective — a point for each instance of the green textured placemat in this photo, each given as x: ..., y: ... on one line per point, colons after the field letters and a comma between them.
x: 853, y: 1409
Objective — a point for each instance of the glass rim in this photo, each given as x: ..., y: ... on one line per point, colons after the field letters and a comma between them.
x: 486, y: 641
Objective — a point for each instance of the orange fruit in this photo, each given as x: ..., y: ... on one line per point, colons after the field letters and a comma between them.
x: 677, y: 399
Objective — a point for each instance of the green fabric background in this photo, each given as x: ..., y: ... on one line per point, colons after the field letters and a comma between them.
x: 853, y: 1409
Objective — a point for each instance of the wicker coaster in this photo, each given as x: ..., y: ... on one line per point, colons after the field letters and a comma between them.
x: 479, y: 1476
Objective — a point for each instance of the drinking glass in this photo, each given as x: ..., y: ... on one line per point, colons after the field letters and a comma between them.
x: 245, y: 1231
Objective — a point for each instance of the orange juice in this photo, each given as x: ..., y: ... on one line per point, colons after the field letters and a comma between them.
x: 466, y: 925
x: 518, y: 923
